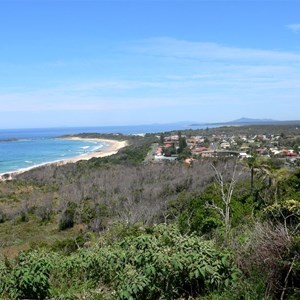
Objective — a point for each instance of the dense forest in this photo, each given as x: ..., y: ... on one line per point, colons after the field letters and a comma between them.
x: 123, y: 227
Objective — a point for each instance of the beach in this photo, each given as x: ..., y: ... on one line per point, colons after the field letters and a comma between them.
x: 111, y: 147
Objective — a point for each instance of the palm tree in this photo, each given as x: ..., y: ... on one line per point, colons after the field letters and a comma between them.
x: 273, y: 175
x: 252, y: 163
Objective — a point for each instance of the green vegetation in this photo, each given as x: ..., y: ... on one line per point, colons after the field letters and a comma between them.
x: 286, y: 130
x: 121, y: 227
x: 158, y: 264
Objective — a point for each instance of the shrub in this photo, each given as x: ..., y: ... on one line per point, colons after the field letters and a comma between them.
x: 30, y: 276
x: 3, y: 217
x: 165, y: 265
x: 67, y: 218
x: 160, y: 264
x: 44, y: 213
x: 286, y: 212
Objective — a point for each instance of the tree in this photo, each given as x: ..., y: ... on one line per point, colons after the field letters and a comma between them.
x: 271, y: 171
x: 161, y: 138
x: 182, y: 142
x: 226, y: 189
x: 168, y: 151
x: 252, y: 163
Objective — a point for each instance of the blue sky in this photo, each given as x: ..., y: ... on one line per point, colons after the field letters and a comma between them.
x: 95, y: 63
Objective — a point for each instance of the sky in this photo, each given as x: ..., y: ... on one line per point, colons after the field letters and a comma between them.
x: 108, y: 62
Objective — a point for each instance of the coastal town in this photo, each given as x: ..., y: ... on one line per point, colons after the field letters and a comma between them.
x: 286, y: 147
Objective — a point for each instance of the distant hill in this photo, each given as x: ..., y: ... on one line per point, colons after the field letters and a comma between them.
x: 253, y: 121
x: 250, y: 121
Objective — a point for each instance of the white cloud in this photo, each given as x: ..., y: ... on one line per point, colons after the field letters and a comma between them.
x: 58, y: 101
x: 175, y: 75
x: 181, y: 49
x: 294, y: 27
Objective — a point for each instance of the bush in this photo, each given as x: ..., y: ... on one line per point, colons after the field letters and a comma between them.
x: 160, y: 264
x: 286, y: 212
x: 30, y: 276
x: 3, y: 217
x: 67, y: 218
x: 262, y: 255
x: 69, y: 245
x: 44, y: 213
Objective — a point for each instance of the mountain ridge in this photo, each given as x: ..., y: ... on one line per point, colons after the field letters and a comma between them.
x: 249, y: 121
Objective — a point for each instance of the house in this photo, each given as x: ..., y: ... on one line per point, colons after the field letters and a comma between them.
x: 162, y: 157
x: 168, y: 145
x: 199, y: 150
x: 225, y: 145
x: 244, y: 155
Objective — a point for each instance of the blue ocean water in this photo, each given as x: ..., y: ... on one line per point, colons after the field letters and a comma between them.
x: 26, y: 153
x: 34, y: 147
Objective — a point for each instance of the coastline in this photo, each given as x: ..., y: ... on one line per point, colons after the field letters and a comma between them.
x: 112, y: 147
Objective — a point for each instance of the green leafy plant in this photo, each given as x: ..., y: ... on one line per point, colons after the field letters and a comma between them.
x: 29, y: 278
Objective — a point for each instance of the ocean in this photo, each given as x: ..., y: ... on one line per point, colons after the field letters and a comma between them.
x: 27, y: 148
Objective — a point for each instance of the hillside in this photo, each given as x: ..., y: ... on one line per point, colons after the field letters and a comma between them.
x: 120, y: 227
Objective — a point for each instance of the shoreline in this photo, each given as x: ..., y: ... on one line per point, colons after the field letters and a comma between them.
x: 112, y: 148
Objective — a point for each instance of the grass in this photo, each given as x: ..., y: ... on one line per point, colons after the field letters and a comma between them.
x: 16, y: 236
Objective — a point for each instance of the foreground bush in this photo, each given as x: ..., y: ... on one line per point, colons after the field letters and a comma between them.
x: 161, y: 264
x: 28, y: 277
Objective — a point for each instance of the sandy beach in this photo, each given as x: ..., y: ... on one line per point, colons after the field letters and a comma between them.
x: 112, y: 147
